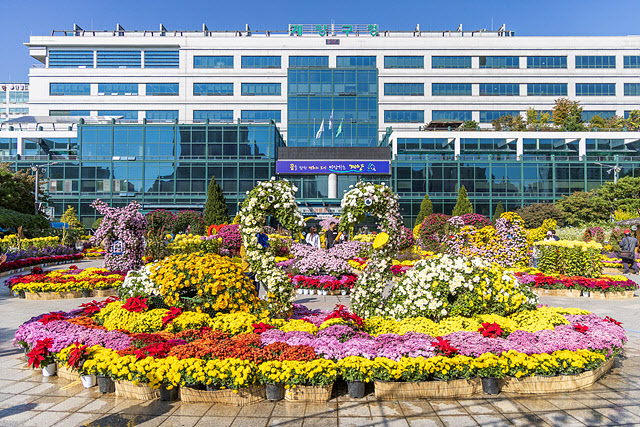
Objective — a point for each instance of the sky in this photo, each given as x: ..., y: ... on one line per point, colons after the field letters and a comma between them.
x: 20, y: 19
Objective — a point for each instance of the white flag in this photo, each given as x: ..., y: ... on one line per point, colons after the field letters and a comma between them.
x: 331, y: 120
x: 319, y: 133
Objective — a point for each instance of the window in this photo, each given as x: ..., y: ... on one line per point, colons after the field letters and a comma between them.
x: 404, y: 89
x: 546, y: 62
x: 632, y: 62
x: 462, y: 115
x: 547, y: 89
x: 308, y: 61
x: 18, y: 97
x: 163, y: 89
x: 3, y: 97
x: 129, y: 115
x: 588, y: 115
x: 213, y: 115
x: 71, y: 59
x: 595, y: 89
x: 499, y: 62
x: 213, y: 62
x: 632, y: 89
x: 450, y: 62
x: 490, y: 116
x: 261, y: 62
x: 212, y: 89
x: 54, y: 113
x: 118, y: 59
x: 404, y: 116
x: 117, y: 88
x: 499, y: 89
x: 356, y: 62
x: 260, y: 115
x: 260, y: 89
x: 161, y: 59
x: 161, y: 115
x: 19, y: 110
x: 595, y: 62
x: 69, y: 89
x: 451, y: 89
x: 403, y: 62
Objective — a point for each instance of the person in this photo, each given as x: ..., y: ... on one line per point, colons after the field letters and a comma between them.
x: 313, y: 238
x: 549, y: 236
x: 330, y: 236
x: 553, y: 234
x: 628, y: 246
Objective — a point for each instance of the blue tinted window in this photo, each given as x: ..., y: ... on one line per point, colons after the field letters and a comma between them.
x: 403, y: 116
x: 404, y: 89
x: 261, y: 89
x: 499, y: 62
x: 212, y: 89
x: 118, y: 59
x: 18, y: 97
x: 260, y: 115
x: 69, y: 89
x: 403, y: 62
x: 632, y: 89
x: 71, y: 59
x: 161, y: 115
x: 450, y: 62
x: 356, y: 62
x: 595, y: 62
x: 627, y: 113
x: 20, y: 110
x: 261, y: 62
x: 490, y: 116
x: 163, y: 89
x: 595, y: 89
x: 69, y: 113
x: 213, y: 62
x: 546, y: 62
x: 161, y: 59
x: 218, y: 116
x: 451, y: 89
x: 308, y: 61
x: 499, y: 89
x: 588, y: 115
x: 129, y: 115
x: 632, y: 62
x: 547, y: 89
x: 451, y: 115
x: 117, y: 88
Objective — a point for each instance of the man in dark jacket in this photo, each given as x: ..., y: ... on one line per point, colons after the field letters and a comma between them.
x: 628, y: 246
x: 330, y: 236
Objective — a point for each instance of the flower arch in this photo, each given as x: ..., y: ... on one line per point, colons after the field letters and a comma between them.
x: 270, y: 198
x: 381, y: 202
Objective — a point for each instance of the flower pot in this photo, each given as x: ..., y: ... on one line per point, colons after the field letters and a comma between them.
x: 49, y: 370
x: 305, y: 291
x: 585, y: 294
x: 168, y: 395
x: 325, y: 292
x: 21, y: 294
x: 275, y: 391
x: 300, y: 290
x: 356, y: 389
x: 491, y: 385
x: 196, y: 386
x: 343, y: 292
x: 212, y: 388
x: 86, y: 293
x: 88, y: 381
x: 106, y: 384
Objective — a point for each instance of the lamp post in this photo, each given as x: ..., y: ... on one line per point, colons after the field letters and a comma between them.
x: 36, y: 170
x: 612, y: 168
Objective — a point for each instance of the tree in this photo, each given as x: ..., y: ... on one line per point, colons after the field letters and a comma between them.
x: 426, y: 209
x: 17, y: 190
x: 463, y: 205
x: 535, y: 214
x: 583, y: 208
x: 633, y: 121
x: 69, y: 217
x: 499, y: 211
x: 515, y: 123
x: 597, y: 122
x: 567, y: 114
x: 470, y: 124
x: 216, y: 210
x: 623, y: 195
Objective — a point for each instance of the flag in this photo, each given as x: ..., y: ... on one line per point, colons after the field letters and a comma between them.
x: 331, y: 120
x: 339, y: 129
x: 319, y: 133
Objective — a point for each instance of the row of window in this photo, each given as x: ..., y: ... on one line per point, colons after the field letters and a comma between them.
x: 509, y: 89
x: 163, y: 89
x: 417, y: 116
x: 15, y: 97
x: 15, y: 110
x: 114, y: 59
x: 220, y: 116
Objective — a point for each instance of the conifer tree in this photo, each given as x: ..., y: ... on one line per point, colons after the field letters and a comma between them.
x: 463, y: 205
x: 216, y: 210
x: 69, y: 217
x: 426, y: 209
x: 499, y: 211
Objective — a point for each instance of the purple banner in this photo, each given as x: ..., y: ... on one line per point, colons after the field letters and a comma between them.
x: 345, y: 167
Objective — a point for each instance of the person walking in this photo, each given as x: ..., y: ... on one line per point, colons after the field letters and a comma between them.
x: 313, y: 238
x: 330, y: 236
x: 628, y: 246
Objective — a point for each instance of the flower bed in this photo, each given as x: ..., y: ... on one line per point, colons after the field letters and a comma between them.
x: 70, y: 280
x: 606, y: 284
x: 324, y: 283
x: 40, y: 260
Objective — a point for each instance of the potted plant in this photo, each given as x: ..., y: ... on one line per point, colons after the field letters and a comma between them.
x: 491, y: 369
x: 77, y: 356
x: 356, y: 371
x: 274, y: 374
x: 311, y: 381
x: 41, y: 357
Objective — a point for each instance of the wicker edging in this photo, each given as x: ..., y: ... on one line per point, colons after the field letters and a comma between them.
x: 128, y: 390
x: 243, y: 396
x: 67, y: 373
x: 41, y: 296
x: 309, y: 393
x: 576, y: 293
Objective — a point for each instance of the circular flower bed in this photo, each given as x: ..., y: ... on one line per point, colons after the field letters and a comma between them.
x: 72, y: 279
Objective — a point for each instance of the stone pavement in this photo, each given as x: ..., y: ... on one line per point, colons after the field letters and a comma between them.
x: 28, y: 399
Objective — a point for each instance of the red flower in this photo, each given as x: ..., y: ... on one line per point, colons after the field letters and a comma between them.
x: 73, y: 267
x: 490, y: 330
x: 259, y: 328
x: 580, y: 328
x: 40, y: 352
x: 77, y: 355
x: 443, y: 347
x: 171, y: 314
x: 610, y: 320
x: 341, y: 312
x: 51, y: 317
x: 135, y: 305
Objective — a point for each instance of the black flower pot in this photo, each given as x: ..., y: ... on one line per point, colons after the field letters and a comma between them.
x: 196, y: 387
x: 106, y: 384
x: 168, y: 395
x: 21, y: 294
x: 491, y: 385
x: 86, y: 293
x: 275, y: 392
x: 356, y: 389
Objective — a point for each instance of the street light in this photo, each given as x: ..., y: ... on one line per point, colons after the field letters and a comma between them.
x: 612, y: 168
x: 36, y: 169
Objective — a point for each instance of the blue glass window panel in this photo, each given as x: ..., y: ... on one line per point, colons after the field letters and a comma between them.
x: 212, y: 89
x: 129, y: 115
x: 463, y: 115
x: 213, y: 62
x: 308, y: 61
x: 632, y: 62
x: 261, y: 62
x: 490, y: 116
x: 499, y: 89
x: 260, y: 115
x: 627, y: 113
x: 161, y: 115
x: 595, y: 62
x: 451, y: 89
x: 588, y: 115
x: 403, y: 62
x: 74, y: 89
x: 450, y: 62
x: 18, y: 110
x: 404, y: 89
x: 546, y: 89
x: 163, y: 89
x: 3, y: 97
x: 546, y: 62
x: 632, y: 89
x: 261, y: 89
x: 217, y: 116
x: 76, y: 113
x: 595, y: 89
x: 18, y: 97
x: 118, y: 59
x: 499, y: 62
x: 117, y: 88
x: 403, y: 116
x: 356, y: 62
x: 71, y: 59
x: 161, y: 59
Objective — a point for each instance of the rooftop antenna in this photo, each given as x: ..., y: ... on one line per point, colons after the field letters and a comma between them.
x: 163, y: 30
x: 492, y: 23
x: 204, y: 28
x: 459, y: 29
x: 247, y: 29
x: 120, y: 30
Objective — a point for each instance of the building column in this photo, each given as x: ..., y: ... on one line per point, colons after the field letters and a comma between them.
x: 332, y: 191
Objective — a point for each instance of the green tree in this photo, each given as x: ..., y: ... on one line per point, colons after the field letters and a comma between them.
x: 216, y: 210
x: 623, y: 195
x: 17, y: 190
x: 567, y: 114
x: 71, y: 218
x: 582, y: 208
x: 463, y: 205
x: 469, y: 124
x: 499, y: 211
x: 515, y: 123
x: 633, y: 121
x: 535, y: 214
x: 96, y: 223
x: 426, y: 209
x: 597, y: 121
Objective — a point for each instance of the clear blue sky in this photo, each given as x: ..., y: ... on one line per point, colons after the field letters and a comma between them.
x: 22, y: 18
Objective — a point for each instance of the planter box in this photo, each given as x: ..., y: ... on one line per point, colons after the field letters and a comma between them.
x: 556, y: 292
x: 425, y: 389
x: 612, y: 270
x: 39, y: 296
x: 597, y: 295
x: 244, y: 396
x: 309, y: 393
x: 619, y: 295
x: 100, y: 293
x: 67, y: 373
x: 128, y: 390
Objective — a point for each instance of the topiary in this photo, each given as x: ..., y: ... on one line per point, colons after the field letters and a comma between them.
x: 187, y: 220
x: 593, y: 234
x: 535, y: 214
x: 159, y: 220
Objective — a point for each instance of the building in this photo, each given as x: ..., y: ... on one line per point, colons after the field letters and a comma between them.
x: 340, y: 96
x: 14, y: 100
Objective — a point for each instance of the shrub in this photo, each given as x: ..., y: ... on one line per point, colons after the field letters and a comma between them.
x: 159, y: 220
x: 570, y: 258
x: 535, y: 214
x: 594, y: 234
x: 187, y: 221
x: 432, y: 231
x: 32, y: 225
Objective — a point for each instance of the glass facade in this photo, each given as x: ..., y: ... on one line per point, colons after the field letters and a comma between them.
x: 261, y: 62
x: 546, y: 62
x: 450, y: 62
x: 69, y: 113
x: 308, y: 61
x: 127, y: 115
x: 161, y: 59
x: 451, y: 115
x: 215, y: 116
x: 162, y: 115
x: 588, y: 115
x: 260, y: 89
x: 213, y: 89
x: 260, y: 115
x: 595, y: 89
x: 404, y: 89
x: 71, y: 59
x: 499, y: 62
x: 356, y: 62
x: 163, y: 89
x: 499, y: 89
x: 546, y: 89
x: 119, y: 59
x: 450, y: 89
x: 595, y: 62
x: 18, y: 97
x: 213, y: 62
x: 403, y: 62
x: 403, y: 116
x: 632, y: 89
x: 632, y: 62
x: 117, y: 88
x: 69, y: 89
x: 490, y: 116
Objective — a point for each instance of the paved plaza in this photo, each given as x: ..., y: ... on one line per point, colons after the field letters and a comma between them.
x: 29, y: 399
